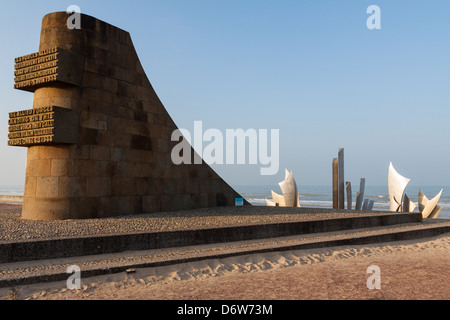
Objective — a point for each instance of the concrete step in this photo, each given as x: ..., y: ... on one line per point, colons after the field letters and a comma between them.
x: 22, y: 273
x: 61, y: 247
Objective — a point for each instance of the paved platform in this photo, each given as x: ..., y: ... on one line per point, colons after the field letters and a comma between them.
x: 39, y: 251
x: 28, y: 272
x: 213, y: 229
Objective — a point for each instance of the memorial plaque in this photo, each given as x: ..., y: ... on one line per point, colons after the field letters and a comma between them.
x: 41, y: 126
x: 48, y: 66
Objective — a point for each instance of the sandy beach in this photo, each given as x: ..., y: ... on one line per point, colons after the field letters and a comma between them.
x: 417, y: 270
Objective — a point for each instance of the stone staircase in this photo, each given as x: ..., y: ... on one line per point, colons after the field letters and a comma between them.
x: 31, y: 261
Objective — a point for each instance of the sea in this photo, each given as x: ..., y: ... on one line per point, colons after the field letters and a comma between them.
x: 322, y: 197
x: 318, y: 196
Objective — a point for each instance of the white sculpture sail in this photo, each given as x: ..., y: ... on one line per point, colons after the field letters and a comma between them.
x: 289, y: 189
x: 278, y: 199
x: 429, y: 208
x: 290, y: 197
x: 396, y: 185
x: 408, y: 205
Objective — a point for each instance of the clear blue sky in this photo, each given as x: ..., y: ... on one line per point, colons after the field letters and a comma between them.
x: 311, y: 69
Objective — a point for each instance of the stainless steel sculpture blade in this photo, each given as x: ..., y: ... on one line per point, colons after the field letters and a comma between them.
x: 341, y: 181
x: 396, y: 185
x: 408, y: 205
x: 365, y: 206
x: 360, y: 194
x: 349, y: 195
x: 435, y: 213
x: 428, y: 208
x: 289, y: 189
x: 335, y: 169
x: 277, y: 198
x: 290, y: 197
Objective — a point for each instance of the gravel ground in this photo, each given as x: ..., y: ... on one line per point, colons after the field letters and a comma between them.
x: 142, y: 257
x: 13, y: 228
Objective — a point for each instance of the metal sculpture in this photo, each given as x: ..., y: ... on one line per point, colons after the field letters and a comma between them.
x: 290, y: 197
x: 396, y: 185
x: 408, y: 205
x: 429, y: 208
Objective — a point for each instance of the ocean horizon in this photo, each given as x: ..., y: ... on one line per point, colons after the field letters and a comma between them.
x: 321, y: 196
x: 315, y: 196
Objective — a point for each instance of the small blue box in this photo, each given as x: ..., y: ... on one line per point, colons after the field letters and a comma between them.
x: 239, y: 202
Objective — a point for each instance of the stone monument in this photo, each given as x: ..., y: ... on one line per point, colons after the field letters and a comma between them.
x: 98, y: 137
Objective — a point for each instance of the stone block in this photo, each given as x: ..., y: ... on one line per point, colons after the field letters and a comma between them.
x: 202, y: 200
x: 190, y: 201
x: 205, y: 186
x: 169, y: 186
x: 177, y: 202
x: 30, y: 187
x: 72, y: 187
x: 86, y: 168
x: 62, y: 167
x: 54, y: 152
x: 101, y: 153
x: 38, y: 168
x: 47, y: 187
x: 126, y: 89
x: 141, y: 142
x: 151, y: 203
x: 94, y: 65
x: 142, y: 186
x: 33, y: 153
x: 125, y: 112
x: 79, y: 152
x: 84, y: 208
x: 123, y: 186
x: 46, y: 209
x: 165, y: 203
x: 121, y: 139
x: 99, y: 186
x: 155, y: 186
x: 87, y: 136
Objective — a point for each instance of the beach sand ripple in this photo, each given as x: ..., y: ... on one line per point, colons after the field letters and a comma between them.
x: 416, y: 269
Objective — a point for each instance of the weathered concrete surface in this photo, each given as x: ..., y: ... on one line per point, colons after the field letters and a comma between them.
x: 90, y: 245
x: 121, y: 162
x: 14, y: 274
